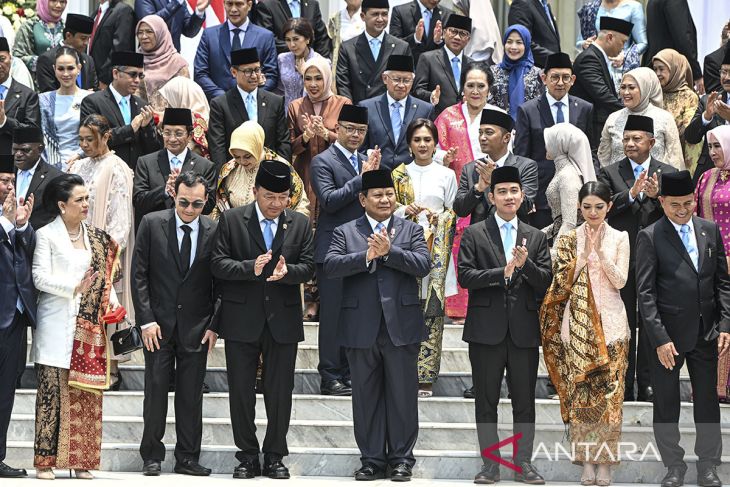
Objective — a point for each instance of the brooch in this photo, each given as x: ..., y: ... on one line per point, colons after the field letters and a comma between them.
x: 724, y: 175
x: 284, y: 226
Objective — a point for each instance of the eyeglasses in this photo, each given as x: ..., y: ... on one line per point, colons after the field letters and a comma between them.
x: 179, y: 134
x: 566, y: 78
x: 458, y: 33
x: 349, y: 130
x: 133, y: 74
x: 145, y: 32
x: 197, y: 204
x: 249, y: 71
x: 7, y: 180
x: 400, y: 81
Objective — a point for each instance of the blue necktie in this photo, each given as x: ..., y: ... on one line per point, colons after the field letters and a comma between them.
x: 547, y: 12
x: 456, y: 69
x: 3, y: 89
x: 396, y: 120
x: 79, y: 81
x: 176, y: 163
x: 236, y: 44
x: 684, y: 230
x: 19, y: 301
x: 23, y: 183
x: 508, y: 244
x: 637, y: 172
x: 560, y: 116
x: 268, y: 233
x: 251, y: 108
x: 375, y: 48
x: 353, y: 161
x: 379, y: 227
x: 295, y: 8
x: 426, y: 21
x: 126, y: 112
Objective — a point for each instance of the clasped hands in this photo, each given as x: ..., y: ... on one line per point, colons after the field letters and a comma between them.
x: 313, y: 125
x: 17, y: 214
x: 438, y: 31
x: 378, y: 245
x: 645, y: 184
x: 715, y: 106
x: 519, y: 257
x: 484, y: 169
x: 415, y: 209
x: 279, y: 271
x: 170, y: 183
x: 143, y: 118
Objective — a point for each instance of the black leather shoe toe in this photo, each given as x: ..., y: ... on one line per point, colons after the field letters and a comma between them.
x: 489, y: 474
x: 335, y: 388
x: 708, y: 478
x: 276, y: 470
x: 152, y: 468
x: 9, y: 472
x: 369, y: 472
x: 673, y: 478
x: 529, y: 475
x: 247, y: 470
x: 469, y: 393
x: 191, y: 467
x: 401, y: 473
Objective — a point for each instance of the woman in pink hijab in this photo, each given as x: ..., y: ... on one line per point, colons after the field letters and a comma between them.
x: 36, y: 37
x: 162, y: 62
x: 713, y: 203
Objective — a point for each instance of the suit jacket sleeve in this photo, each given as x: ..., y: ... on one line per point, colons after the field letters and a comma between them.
x: 45, y: 77
x: 210, y: 175
x: 145, y: 198
x: 143, y: 8
x: 696, y: 130
x: 523, y: 142
x: 44, y: 279
x: 303, y: 270
x: 270, y: 64
x: 331, y: 198
x: 396, y: 28
x: 537, y: 270
x: 27, y: 239
x: 124, y: 38
x: 192, y: 24
x: 529, y: 185
x: 93, y: 78
x: 31, y: 116
x: 711, y: 74
x: 594, y: 84
x: 415, y: 261
x: 322, y: 41
x: 519, y: 13
x: 339, y: 263
x: 679, y: 18
x: 646, y: 288
x: 202, y: 69
x: 420, y: 82
x: 217, y: 133
x: 722, y: 284
x: 342, y: 75
x: 141, y: 286
x: 266, y: 21
x: 620, y: 199
x: 283, y: 147
x: 466, y: 197
x: 222, y: 265
x: 469, y: 275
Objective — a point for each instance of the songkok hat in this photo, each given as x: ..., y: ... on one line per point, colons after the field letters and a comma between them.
x: 27, y: 135
x: 178, y: 116
x: 725, y: 60
x: 274, y: 176
x: 497, y: 117
x: 81, y: 24
x: 7, y: 163
x: 458, y: 22
x: 558, y: 60
x: 380, y: 178
x: 124, y: 58
x: 615, y: 24
x: 639, y: 122
x: 399, y: 62
x: 505, y: 174
x: 366, y: 4
x: 354, y: 114
x: 4, y: 46
x: 675, y: 184
x: 244, y: 56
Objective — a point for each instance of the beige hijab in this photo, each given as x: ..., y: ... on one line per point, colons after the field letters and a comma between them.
x: 565, y: 141
x: 649, y: 87
x: 680, y: 72
x: 249, y: 136
x: 182, y: 92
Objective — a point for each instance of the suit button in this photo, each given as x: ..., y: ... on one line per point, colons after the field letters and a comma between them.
x: 179, y: 306
x: 266, y: 298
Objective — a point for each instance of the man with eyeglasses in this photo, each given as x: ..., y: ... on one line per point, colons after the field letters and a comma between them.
x: 113, y: 31
x: 534, y: 116
x: 362, y: 59
x: 213, y: 61
x: 76, y: 34
x: 390, y: 114
x: 420, y: 24
x: 713, y: 111
x: 438, y: 74
x: 18, y: 103
x: 131, y: 118
x: 156, y: 173
x: 337, y: 181
x: 247, y: 101
x: 173, y: 303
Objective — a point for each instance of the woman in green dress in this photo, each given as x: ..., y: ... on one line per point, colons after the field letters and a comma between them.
x: 38, y: 36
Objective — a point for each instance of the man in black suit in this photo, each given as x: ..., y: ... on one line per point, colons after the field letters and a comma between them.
x: 274, y: 14
x: 114, y: 33
x: 76, y: 33
x: 534, y: 116
x: 712, y: 111
x: 247, y: 102
x: 133, y: 131
x: 381, y: 259
x: 495, y: 134
x: 262, y: 254
x: 538, y: 17
x: 390, y: 114
x: 32, y: 173
x: 155, y: 174
x: 18, y: 306
x: 505, y: 265
x: 669, y: 25
x: 20, y: 107
x: 684, y: 300
x: 438, y: 74
x: 713, y: 61
x: 420, y: 24
x: 337, y: 182
x: 173, y: 302
x: 634, y: 183
x: 593, y: 82
x: 362, y: 59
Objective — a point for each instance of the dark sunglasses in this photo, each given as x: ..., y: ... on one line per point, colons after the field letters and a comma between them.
x: 197, y: 204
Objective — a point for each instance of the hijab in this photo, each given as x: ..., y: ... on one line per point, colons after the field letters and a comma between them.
x: 680, y: 72
x: 44, y: 13
x: 163, y: 62
x: 650, y: 90
x: 324, y: 68
x: 182, y: 92
x: 566, y: 141
x: 517, y: 69
x: 722, y: 134
x: 249, y: 136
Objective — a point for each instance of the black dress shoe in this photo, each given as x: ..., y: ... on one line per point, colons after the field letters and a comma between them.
x: 276, y: 470
x: 369, y: 472
x: 206, y: 388
x: 646, y: 394
x: 674, y: 477
x: 191, y: 467
x: 529, y: 475
x: 347, y: 382
x: 334, y: 388
x: 708, y: 478
x: 488, y: 475
x: 247, y: 470
x: 401, y: 473
x: 259, y: 389
x: 152, y: 468
x: 469, y: 393
x: 10, y: 472
x: 118, y: 384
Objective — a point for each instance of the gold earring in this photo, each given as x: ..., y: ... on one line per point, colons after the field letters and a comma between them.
x: 63, y: 212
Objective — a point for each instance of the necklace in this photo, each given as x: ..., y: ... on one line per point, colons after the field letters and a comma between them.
x: 75, y: 237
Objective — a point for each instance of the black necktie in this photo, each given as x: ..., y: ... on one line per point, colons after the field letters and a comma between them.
x: 186, y: 248
x: 236, y: 40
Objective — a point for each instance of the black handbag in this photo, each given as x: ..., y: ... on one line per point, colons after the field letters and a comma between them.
x: 127, y: 340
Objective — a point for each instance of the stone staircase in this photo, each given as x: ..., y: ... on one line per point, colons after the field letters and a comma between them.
x: 321, y: 439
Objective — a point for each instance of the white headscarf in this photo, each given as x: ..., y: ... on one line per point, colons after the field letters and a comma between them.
x: 565, y: 141
x: 650, y: 89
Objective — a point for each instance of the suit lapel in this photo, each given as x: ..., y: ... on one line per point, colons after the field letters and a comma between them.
x: 261, y: 104
x: 384, y: 112
x: 12, y: 98
x: 522, y: 233
x: 363, y: 226
x: 164, y: 164
x: 224, y: 39
x: 188, y: 163
x: 254, y: 228
x: 655, y: 168
x: 573, y: 111
x: 343, y: 160
x: 287, y: 11
x: 626, y: 172
x: 701, y: 236
x: 363, y: 49
x: 673, y: 238
x: 386, y: 48
x: 604, y: 68
x: 38, y: 177
x: 546, y: 115
x: 409, y: 114
x: 446, y: 66
x: 169, y: 227
x: 114, y: 106
x: 495, y: 239
x: 237, y: 104
x: 203, y: 234
x: 284, y: 221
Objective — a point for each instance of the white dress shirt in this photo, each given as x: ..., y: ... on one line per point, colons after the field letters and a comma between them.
x: 261, y: 218
x: 346, y: 152
x: 634, y: 165
x: 180, y: 157
x: 554, y: 110
x: 242, y: 34
x: 692, y: 239
x: 380, y: 38
x: 350, y: 27
x: 503, y: 232
x: 500, y: 162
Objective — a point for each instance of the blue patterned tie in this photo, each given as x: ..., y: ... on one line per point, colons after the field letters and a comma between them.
x: 353, y: 161
x: 375, y: 48
x: 684, y: 230
x: 268, y: 233
x: 396, y: 120
x: 637, y: 172
x: 3, y: 89
x: 296, y: 10
x: 176, y: 163
x: 456, y: 69
x: 379, y: 227
x: 560, y: 116
x: 126, y: 112
x: 508, y: 244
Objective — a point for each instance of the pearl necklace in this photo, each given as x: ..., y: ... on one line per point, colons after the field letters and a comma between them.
x: 77, y: 236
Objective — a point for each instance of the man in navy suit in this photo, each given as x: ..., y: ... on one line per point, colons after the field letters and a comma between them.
x: 390, y: 113
x: 380, y: 259
x: 553, y: 106
x: 213, y: 59
x: 18, y: 306
x: 337, y: 183
x: 175, y: 13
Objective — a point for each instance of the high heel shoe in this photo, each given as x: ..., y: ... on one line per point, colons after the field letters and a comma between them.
x: 603, y: 476
x: 83, y: 474
x: 118, y: 384
x: 45, y: 474
x: 589, y: 475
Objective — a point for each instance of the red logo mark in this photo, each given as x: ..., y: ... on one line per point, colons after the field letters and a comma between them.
x: 487, y: 452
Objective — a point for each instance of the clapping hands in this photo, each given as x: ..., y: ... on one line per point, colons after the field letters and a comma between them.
x: 378, y: 245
